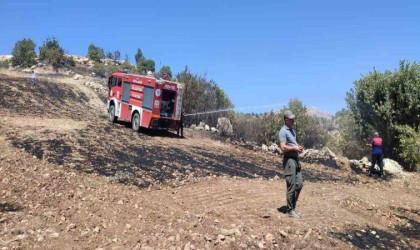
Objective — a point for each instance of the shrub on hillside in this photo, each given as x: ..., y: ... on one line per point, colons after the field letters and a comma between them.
x: 24, y: 53
x: 410, y: 147
x: 69, y: 60
x: 103, y: 70
x: 95, y: 53
x: 52, y: 52
x: 4, y: 64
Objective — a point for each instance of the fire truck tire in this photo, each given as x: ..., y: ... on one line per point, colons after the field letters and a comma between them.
x: 111, y: 114
x: 135, y: 122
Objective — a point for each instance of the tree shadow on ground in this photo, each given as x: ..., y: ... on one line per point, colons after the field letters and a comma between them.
x: 372, y: 238
x: 150, y: 132
x: 411, y: 227
x: 313, y: 175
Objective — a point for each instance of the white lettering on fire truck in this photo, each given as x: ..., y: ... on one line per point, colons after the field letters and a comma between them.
x: 170, y: 87
x: 138, y: 96
x: 135, y: 88
x: 137, y: 81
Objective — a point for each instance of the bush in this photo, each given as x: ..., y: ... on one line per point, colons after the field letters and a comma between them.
x: 4, y: 64
x: 69, y: 60
x: 24, y: 53
x: 410, y: 147
x: 248, y: 127
x: 95, y: 53
x: 386, y: 102
x: 103, y: 70
x: 52, y: 52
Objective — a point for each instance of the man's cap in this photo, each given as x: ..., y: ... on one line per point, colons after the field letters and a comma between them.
x: 289, y: 115
x: 376, y: 134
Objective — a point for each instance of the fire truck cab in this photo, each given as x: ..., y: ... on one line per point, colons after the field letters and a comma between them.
x: 144, y: 101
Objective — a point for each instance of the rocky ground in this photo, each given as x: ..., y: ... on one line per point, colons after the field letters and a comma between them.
x: 69, y: 179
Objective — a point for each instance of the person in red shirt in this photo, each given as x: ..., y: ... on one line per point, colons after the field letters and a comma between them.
x: 377, y: 156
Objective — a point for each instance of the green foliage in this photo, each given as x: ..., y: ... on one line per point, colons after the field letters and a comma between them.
x: 70, y: 61
x: 310, y: 132
x: 117, y: 55
x: 165, y: 70
x: 139, y: 56
x: 385, y: 101
x: 249, y: 127
x: 147, y: 65
x: 202, y: 95
x: 4, y: 64
x: 269, y: 128
x: 24, y: 53
x: 127, y: 66
x: 264, y: 128
x: 52, y: 52
x: 410, y: 147
x: 95, y: 53
x: 109, y: 55
x: 103, y: 70
x: 143, y: 64
x: 350, y: 142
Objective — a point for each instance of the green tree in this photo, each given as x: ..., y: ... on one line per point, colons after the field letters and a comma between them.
x: 386, y: 102
x: 149, y: 65
x: 139, y: 57
x: 310, y: 132
x: 95, y: 53
x: 117, y: 55
x: 109, y: 55
x: 24, y: 53
x: 143, y: 64
x: 52, y: 52
x: 165, y: 70
x: 350, y: 140
x: 200, y: 95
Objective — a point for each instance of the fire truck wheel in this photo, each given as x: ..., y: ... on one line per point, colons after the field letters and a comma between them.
x: 135, y: 122
x: 111, y: 114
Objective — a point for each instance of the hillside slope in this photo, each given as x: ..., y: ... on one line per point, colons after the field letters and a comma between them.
x: 72, y: 180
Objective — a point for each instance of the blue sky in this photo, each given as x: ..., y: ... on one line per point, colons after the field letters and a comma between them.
x: 259, y: 52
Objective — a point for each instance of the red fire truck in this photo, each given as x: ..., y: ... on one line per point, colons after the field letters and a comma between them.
x: 144, y: 101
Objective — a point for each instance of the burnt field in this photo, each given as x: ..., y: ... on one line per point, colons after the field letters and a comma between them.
x: 99, y: 146
x: 70, y: 179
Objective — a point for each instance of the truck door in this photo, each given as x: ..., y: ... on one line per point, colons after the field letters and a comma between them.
x: 125, y: 102
x: 147, y: 106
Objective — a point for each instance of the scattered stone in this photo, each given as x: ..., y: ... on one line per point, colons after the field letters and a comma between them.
x: 70, y: 227
x: 283, y: 233
x: 269, y: 237
x: 308, y: 234
x: 55, y: 235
